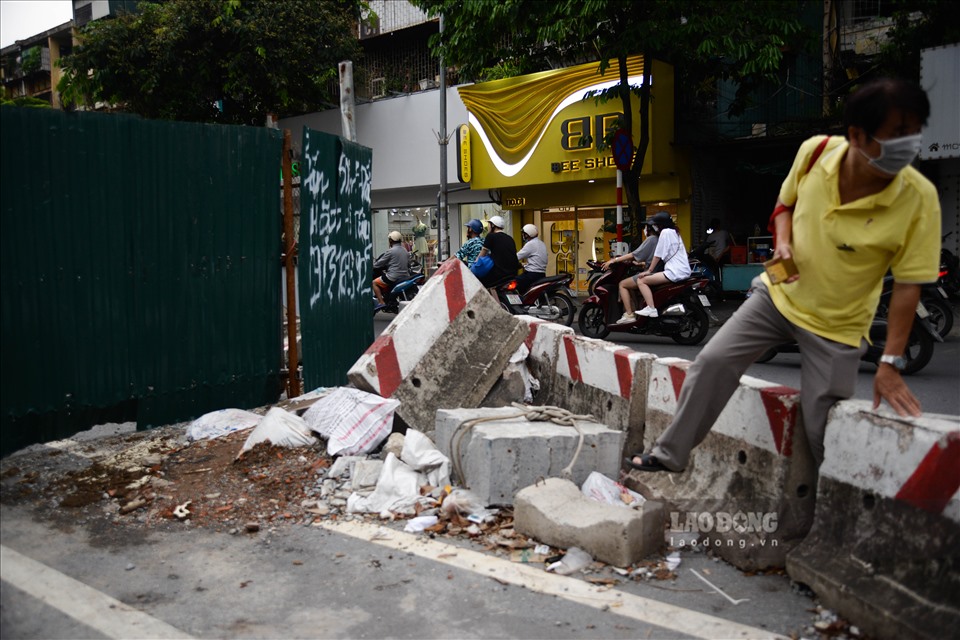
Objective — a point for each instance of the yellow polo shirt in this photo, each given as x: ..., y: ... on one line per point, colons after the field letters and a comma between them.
x: 844, y: 251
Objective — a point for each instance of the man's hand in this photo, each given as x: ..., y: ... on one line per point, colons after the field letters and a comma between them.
x: 889, y: 385
x: 784, y: 250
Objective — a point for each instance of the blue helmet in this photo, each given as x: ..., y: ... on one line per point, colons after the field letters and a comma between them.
x: 475, y: 225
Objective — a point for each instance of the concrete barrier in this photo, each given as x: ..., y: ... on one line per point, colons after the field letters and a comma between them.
x: 748, y: 490
x: 498, y: 458
x: 884, y: 550
x: 556, y: 512
x: 584, y: 375
x: 446, y: 348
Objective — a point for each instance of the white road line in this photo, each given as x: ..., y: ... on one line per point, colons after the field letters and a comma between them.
x: 645, y: 610
x: 81, y: 602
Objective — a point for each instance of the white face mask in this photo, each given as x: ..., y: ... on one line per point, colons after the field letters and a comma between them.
x: 895, y: 153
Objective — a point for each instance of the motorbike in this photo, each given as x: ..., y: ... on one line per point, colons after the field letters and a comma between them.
x: 547, y: 298
x: 704, y: 266
x: 919, y: 351
x: 682, y: 308
x: 949, y: 277
x: 403, y: 291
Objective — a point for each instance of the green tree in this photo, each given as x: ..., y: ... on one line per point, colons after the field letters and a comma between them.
x: 917, y: 25
x: 229, y: 61
x: 705, y: 40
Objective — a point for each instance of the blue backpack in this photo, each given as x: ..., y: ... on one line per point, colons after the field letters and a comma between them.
x: 482, y: 266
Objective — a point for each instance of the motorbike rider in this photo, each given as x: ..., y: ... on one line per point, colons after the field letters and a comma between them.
x: 850, y: 209
x: 471, y: 248
x: 534, y: 251
x: 642, y: 255
x: 394, y: 266
x: 676, y: 266
x: 502, y: 250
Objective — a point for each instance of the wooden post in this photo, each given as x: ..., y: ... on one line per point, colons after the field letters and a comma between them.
x: 289, y: 255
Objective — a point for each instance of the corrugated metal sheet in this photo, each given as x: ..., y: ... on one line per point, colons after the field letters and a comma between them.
x: 336, y: 261
x: 140, y: 270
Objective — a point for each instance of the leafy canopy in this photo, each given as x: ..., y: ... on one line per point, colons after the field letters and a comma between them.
x: 229, y: 61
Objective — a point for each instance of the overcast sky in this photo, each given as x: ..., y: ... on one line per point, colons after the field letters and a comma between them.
x: 21, y: 19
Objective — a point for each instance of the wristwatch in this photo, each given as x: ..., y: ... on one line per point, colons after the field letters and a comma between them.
x: 897, y: 362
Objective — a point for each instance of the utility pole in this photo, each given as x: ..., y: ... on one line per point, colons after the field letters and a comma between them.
x: 443, y: 237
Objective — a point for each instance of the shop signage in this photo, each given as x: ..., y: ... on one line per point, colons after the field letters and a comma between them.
x: 514, y: 202
x: 463, y: 146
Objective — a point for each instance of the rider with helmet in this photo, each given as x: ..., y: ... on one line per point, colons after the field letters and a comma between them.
x: 534, y: 252
x: 502, y: 250
x: 471, y: 248
x: 394, y: 266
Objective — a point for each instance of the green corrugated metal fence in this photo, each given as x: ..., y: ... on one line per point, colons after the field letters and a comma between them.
x: 335, y: 257
x: 140, y: 270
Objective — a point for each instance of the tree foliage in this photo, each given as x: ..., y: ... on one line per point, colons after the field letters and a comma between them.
x: 706, y: 40
x: 229, y: 61
x: 917, y: 25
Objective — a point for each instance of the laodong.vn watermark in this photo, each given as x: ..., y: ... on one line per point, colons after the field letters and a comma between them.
x: 722, y: 528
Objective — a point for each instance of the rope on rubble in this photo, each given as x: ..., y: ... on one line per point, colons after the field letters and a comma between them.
x: 546, y: 413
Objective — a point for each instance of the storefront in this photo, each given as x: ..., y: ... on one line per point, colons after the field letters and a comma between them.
x: 534, y: 140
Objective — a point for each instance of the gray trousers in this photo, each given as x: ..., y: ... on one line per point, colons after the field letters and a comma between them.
x: 828, y: 373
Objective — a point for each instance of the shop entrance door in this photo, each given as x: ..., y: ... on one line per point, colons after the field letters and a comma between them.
x: 574, y: 236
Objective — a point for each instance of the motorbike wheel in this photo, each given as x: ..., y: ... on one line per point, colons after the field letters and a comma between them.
x: 941, y: 314
x: 564, y: 305
x: 918, y: 353
x: 767, y: 355
x: 592, y: 321
x: 696, y: 325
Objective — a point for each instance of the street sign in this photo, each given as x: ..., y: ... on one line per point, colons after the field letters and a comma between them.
x: 622, y: 149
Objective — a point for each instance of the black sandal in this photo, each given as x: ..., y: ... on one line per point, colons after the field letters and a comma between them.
x: 647, y: 462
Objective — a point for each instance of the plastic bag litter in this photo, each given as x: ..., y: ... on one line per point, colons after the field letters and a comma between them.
x: 518, y: 362
x: 602, y: 489
x: 280, y: 428
x: 576, y: 559
x: 465, y: 503
x: 220, y: 423
x: 352, y: 421
x: 420, y: 524
x: 422, y: 455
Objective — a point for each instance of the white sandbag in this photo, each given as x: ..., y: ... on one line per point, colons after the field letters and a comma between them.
x: 422, y: 455
x: 398, y: 490
x: 602, y: 489
x: 518, y: 363
x: 280, y: 428
x: 352, y: 421
x: 220, y: 423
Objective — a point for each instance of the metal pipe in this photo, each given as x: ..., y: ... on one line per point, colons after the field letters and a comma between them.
x: 289, y: 252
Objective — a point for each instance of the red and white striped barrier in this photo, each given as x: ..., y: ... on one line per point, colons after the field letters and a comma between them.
x: 884, y: 549
x: 748, y: 488
x: 445, y: 349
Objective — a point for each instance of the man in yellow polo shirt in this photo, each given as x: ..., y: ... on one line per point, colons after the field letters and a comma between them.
x: 850, y: 210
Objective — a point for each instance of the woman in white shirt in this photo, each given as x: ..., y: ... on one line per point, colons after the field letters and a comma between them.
x: 671, y: 252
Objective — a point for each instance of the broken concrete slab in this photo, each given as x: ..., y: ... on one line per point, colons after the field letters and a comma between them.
x: 502, y: 455
x: 447, y: 348
x: 555, y: 512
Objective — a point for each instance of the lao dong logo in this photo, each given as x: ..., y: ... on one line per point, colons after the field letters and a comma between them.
x: 722, y: 522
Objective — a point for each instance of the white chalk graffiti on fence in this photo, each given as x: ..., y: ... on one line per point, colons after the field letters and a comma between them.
x: 337, y: 262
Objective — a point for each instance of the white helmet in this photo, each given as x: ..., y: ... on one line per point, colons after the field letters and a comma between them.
x: 498, y: 222
x: 530, y: 230
x: 396, y: 236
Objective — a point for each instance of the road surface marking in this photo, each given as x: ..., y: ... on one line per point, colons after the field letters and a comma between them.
x: 81, y: 602
x: 644, y: 610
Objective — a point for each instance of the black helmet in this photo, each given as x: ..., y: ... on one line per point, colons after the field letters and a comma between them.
x: 661, y: 219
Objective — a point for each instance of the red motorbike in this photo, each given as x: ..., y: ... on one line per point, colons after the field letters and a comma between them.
x: 681, y: 307
x: 547, y: 298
